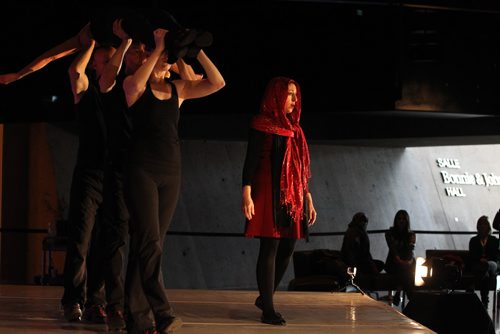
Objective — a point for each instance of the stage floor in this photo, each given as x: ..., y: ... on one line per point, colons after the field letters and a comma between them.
x: 35, y: 309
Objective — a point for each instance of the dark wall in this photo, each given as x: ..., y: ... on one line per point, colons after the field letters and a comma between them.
x: 206, y: 248
x: 450, y: 60
x: 348, y: 56
x: 14, y: 204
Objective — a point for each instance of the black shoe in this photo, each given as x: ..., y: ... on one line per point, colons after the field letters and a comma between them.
x: 192, y: 51
x: 95, y: 314
x: 259, y: 304
x: 178, y: 44
x: 168, y: 324
x: 176, y: 54
x: 273, y: 319
x: 185, y: 37
x: 72, y: 312
x: 116, y: 320
x: 203, y: 39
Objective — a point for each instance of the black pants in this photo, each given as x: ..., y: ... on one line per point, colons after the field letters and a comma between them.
x: 405, y: 276
x: 85, y: 199
x: 96, y: 238
x: 484, y: 273
x: 152, y: 196
x: 113, y: 220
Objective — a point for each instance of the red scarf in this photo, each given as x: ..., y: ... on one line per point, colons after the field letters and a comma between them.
x: 295, y: 171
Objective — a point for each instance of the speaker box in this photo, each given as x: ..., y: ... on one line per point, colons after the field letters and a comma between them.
x: 456, y: 312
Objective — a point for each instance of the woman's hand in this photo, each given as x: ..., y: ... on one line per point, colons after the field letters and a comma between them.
x: 185, y: 71
x: 247, y: 206
x: 311, y: 211
x: 118, y: 30
x: 6, y: 79
x: 159, y: 35
x: 85, y: 38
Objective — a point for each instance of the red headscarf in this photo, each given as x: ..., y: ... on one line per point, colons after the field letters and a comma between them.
x: 295, y: 171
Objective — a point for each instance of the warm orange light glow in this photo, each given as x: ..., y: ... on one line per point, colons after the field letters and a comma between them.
x: 420, y: 271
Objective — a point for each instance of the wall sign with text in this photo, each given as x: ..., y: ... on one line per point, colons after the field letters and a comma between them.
x: 453, y: 179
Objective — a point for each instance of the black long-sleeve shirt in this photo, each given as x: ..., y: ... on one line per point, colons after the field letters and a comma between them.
x: 477, y: 251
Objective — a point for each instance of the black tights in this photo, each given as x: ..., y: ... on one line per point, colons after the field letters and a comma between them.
x: 274, y: 257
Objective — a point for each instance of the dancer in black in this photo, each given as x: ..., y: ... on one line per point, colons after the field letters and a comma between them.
x: 110, y: 121
x: 153, y: 177
x: 113, y: 216
x: 97, y: 185
x: 95, y: 251
x: 86, y: 188
x: 95, y: 255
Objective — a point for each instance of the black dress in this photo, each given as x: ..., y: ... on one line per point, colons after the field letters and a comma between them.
x: 262, y: 171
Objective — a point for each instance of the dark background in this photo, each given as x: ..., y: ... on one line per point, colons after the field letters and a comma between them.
x: 367, y: 69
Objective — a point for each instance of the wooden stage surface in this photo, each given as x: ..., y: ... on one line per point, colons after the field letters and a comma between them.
x: 35, y: 309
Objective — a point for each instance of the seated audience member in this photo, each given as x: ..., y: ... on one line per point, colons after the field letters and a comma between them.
x: 356, y: 250
x: 483, y: 256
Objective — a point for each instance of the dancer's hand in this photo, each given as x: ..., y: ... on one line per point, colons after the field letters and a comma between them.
x: 6, y: 79
x: 247, y: 206
x: 312, y: 216
x: 85, y: 38
x: 159, y: 35
x: 311, y: 211
x: 118, y: 30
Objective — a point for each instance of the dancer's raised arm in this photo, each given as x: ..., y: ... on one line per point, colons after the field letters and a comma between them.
x: 61, y: 50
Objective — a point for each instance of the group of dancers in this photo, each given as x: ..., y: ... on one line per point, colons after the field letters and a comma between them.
x: 129, y: 77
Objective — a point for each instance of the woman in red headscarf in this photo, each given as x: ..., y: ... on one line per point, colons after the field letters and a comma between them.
x: 276, y: 200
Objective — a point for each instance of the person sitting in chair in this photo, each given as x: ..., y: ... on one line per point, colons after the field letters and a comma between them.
x: 483, y: 255
x: 356, y: 250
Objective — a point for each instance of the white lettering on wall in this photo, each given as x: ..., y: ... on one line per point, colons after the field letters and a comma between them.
x: 448, y: 163
x: 466, y: 178
x: 454, y: 192
x: 491, y: 179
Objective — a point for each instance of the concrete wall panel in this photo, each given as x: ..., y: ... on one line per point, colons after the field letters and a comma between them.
x: 346, y: 179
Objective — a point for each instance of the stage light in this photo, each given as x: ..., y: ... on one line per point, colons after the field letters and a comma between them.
x: 441, y: 274
x: 420, y: 271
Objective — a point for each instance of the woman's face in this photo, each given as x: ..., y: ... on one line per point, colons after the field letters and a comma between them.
x: 483, y: 228
x: 291, y: 99
x: 401, y: 221
x: 161, y: 64
x: 134, y: 57
x: 101, y: 58
x: 363, y: 223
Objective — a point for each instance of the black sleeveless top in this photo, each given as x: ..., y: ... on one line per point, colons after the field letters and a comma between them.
x: 118, y: 123
x: 92, y: 147
x: 155, y: 138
